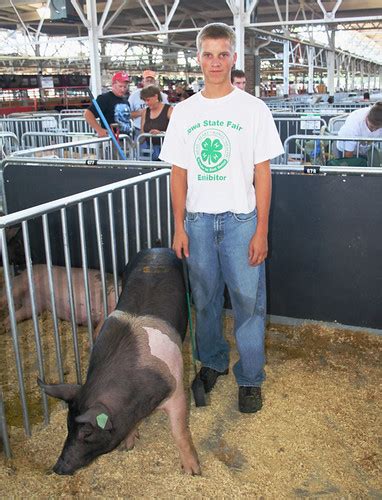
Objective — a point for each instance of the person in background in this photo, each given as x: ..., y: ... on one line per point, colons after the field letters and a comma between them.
x: 366, y: 96
x: 238, y: 78
x: 219, y: 142
x: 137, y: 105
x: 114, y: 105
x: 365, y: 123
x: 330, y: 99
x: 155, y: 118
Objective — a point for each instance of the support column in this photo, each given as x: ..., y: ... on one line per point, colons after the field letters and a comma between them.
x: 353, y: 70
x: 257, y: 65
x: 95, y: 61
x: 368, y: 77
x: 330, y: 61
x: 310, y: 70
x: 347, y: 71
x: 362, y: 76
x: 257, y: 71
x: 238, y: 21
x: 286, y: 68
x: 375, y: 76
x: 338, y: 67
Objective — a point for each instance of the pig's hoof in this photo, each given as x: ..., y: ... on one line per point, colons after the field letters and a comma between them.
x: 193, y: 469
x: 129, y: 442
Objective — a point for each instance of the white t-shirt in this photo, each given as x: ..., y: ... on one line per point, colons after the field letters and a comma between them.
x: 136, y: 104
x: 355, y: 126
x: 218, y: 142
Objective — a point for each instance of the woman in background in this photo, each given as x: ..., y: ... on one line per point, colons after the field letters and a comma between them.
x: 156, y: 118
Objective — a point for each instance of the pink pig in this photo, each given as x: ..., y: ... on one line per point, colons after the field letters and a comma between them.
x: 22, y: 299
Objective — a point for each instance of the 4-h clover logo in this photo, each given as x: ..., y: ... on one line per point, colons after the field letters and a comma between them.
x: 212, y: 150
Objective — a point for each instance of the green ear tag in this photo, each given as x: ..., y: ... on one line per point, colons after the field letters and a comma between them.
x: 102, y: 419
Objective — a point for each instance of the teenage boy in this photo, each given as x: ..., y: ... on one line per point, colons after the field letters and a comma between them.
x: 219, y: 142
x: 238, y: 79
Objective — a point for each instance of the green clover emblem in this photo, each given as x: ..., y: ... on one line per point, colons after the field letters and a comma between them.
x: 211, y: 150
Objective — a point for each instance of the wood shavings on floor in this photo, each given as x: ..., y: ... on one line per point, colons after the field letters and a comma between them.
x: 318, y: 434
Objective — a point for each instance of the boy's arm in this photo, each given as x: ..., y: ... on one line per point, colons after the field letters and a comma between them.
x: 258, y: 246
x: 178, y: 197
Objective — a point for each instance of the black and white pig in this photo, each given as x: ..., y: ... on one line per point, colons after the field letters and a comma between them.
x: 136, y: 367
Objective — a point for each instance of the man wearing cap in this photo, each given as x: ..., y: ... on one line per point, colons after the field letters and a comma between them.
x: 137, y: 105
x: 114, y: 105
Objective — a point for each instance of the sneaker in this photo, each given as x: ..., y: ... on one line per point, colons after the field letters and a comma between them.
x: 209, y: 376
x: 250, y: 399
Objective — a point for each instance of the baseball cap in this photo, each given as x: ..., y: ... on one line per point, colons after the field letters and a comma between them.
x: 121, y: 76
x: 149, y: 74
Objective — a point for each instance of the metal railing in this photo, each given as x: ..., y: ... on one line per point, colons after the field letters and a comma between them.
x: 72, y: 111
x: 128, y: 215
x: 320, y: 107
x: 92, y: 149
x: 9, y: 143
x: 75, y: 123
x: 21, y: 125
x: 319, y: 150
x: 336, y: 122
x: 148, y: 146
x: 32, y: 140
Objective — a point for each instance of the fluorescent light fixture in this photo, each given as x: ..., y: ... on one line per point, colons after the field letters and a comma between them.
x: 43, y: 12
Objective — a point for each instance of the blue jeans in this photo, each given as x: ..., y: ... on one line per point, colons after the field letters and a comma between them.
x: 218, y: 245
x: 149, y: 154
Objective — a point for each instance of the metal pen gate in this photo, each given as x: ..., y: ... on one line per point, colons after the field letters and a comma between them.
x: 118, y: 220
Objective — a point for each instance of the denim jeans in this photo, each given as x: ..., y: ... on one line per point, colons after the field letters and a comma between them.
x: 149, y: 153
x: 218, y: 245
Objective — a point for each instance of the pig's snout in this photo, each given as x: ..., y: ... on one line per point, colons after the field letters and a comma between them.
x: 63, y: 468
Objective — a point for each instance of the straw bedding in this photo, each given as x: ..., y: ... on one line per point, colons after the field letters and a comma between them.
x: 318, y: 434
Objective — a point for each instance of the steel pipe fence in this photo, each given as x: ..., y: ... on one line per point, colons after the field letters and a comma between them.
x: 91, y: 149
x: 71, y: 111
x: 4, y: 438
x: 75, y: 124
x: 323, y: 150
x: 21, y: 125
x: 31, y: 140
x: 320, y: 107
x: 9, y: 143
x: 340, y: 106
x: 336, y: 122
x: 106, y: 226
x: 148, y: 146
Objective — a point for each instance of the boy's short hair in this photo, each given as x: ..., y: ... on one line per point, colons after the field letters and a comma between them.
x: 237, y: 73
x: 216, y: 30
x: 375, y: 115
x: 151, y: 91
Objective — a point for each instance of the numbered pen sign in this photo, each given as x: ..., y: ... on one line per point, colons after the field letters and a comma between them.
x: 310, y: 121
x: 308, y: 169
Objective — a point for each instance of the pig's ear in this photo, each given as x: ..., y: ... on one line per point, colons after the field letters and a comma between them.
x: 67, y: 392
x: 97, y: 416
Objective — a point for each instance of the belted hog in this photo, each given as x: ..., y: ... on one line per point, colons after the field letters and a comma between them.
x: 22, y: 299
x: 135, y: 367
